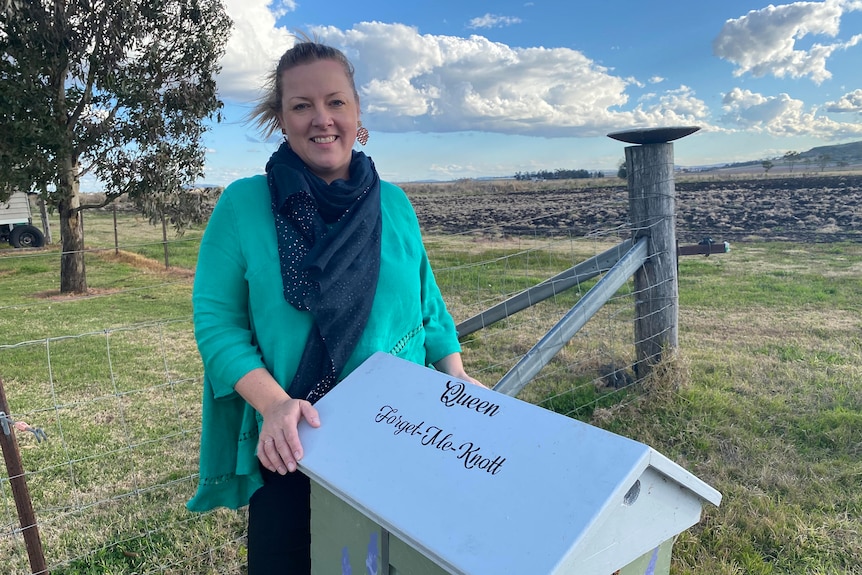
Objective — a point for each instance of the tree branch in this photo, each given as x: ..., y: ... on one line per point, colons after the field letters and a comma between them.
x: 109, y: 199
x: 97, y: 130
x: 87, y: 96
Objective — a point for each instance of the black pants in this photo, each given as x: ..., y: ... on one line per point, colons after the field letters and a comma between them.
x: 279, y: 525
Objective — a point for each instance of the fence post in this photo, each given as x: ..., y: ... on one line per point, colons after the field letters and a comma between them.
x: 652, y: 207
x: 43, y: 213
x: 116, y: 233
x: 20, y: 492
x: 165, y: 240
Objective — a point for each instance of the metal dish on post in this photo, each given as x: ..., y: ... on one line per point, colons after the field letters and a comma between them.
x: 654, y: 135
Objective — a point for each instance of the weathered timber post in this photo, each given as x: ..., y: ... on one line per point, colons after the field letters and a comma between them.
x: 165, y: 240
x: 43, y: 213
x: 116, y: 234
x: 20, y: 492
x: 652, y: 207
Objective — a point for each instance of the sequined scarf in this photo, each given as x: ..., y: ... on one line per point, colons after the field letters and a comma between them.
x: 329, y: 250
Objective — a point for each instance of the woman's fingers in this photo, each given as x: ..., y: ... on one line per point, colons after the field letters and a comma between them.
x: 279, y: 448
x: 471, y: 380
x: 291, y: 449
x: 263, y: 456
x: 267, y: 452
x: 276, y: 455
x: 309, y: 413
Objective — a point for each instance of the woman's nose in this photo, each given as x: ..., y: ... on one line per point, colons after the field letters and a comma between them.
x: 322, y: 117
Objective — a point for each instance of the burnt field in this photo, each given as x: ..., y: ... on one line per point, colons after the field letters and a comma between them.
x: 794, y: 208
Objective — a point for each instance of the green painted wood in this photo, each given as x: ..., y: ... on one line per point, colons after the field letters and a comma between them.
x: 405, y: 560
x: 652, y: 563
x: 340, y: 537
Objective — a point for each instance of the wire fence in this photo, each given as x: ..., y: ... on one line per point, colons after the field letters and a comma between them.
x: 120, y: 403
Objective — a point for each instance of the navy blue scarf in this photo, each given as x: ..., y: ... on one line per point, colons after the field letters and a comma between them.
x: 329, y: 249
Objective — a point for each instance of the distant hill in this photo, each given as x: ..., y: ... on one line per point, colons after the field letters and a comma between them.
x: 846, y: 156
x: 851, y: 152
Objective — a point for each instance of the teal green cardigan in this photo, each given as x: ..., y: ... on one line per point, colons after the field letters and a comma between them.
x: 242, y: 322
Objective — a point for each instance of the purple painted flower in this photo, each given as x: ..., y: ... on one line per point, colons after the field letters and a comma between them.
x: 371, y: 558
x: 345, y: 562
x: 650, y: 570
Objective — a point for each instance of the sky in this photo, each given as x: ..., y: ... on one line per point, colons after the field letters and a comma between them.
x: 468, y: 88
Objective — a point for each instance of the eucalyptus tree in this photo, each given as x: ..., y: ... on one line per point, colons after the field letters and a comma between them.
x: 790, y: 158
x: 119, y: 89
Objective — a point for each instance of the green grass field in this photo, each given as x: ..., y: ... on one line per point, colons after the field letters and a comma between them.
x: 764, y: 400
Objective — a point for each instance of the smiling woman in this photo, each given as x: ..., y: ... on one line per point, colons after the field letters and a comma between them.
x: 320, y: 119
x: 314, y: 102
x: 338, y: 272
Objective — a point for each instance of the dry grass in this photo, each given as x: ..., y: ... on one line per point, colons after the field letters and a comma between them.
x: 143, y: 263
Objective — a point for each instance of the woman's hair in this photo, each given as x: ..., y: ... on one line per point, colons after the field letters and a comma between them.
x: 307, y: 50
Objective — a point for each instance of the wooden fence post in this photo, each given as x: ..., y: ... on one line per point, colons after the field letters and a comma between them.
x: 165, y: 241
x: 116, y: 233
x: 652, y: 206
x: 43, y: 213
x: 20, y: 492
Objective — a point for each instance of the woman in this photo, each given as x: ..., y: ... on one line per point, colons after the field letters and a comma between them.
x: 302, y: 275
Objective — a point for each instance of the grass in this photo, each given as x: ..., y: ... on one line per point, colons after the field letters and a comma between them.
x: 763, y: 400
x: 772, y: 416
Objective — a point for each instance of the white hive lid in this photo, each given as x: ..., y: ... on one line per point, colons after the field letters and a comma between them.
x: 483, y: 483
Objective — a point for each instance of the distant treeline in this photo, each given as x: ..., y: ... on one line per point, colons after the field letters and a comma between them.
x: 558, y: 175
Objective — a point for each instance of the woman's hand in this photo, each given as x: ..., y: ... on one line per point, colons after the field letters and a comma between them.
x: 454, y: 366
x: 279, y: 448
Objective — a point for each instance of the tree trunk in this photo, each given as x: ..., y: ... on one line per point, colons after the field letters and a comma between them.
x: 73, y: 274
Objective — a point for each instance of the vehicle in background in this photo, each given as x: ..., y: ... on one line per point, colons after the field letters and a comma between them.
x: 16, y: 223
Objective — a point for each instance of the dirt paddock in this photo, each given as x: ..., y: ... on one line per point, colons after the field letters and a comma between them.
x: 794, y: 208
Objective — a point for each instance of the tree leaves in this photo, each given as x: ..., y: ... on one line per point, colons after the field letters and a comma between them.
x: 119, y: 88
x: 137, y: 78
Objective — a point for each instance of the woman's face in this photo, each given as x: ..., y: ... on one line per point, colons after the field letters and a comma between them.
x: 319, y: 115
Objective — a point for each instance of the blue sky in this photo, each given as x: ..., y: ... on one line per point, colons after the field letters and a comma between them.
x: 468, y: 88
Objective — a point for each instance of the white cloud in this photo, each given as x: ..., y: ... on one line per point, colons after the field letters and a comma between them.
x: 95, y: 115
x: 493, y: 21
x: 656, y: 80
x: 678, y: 107
x: 280, y: 8
x: 453, y: 171
x: 850, y: 102
x: 412, y: 81
x: 764, y: 41
x: 254, y: 47
x: 781, y: 116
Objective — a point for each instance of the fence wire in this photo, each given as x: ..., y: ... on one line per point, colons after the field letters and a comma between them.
x: 121, y: 405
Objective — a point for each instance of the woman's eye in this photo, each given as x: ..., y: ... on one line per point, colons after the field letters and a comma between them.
x: 300, y: 107
x: 337, y: 102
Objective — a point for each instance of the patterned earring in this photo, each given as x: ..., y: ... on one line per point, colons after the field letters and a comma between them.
x: 284, y: 135
x: 361, y: 133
